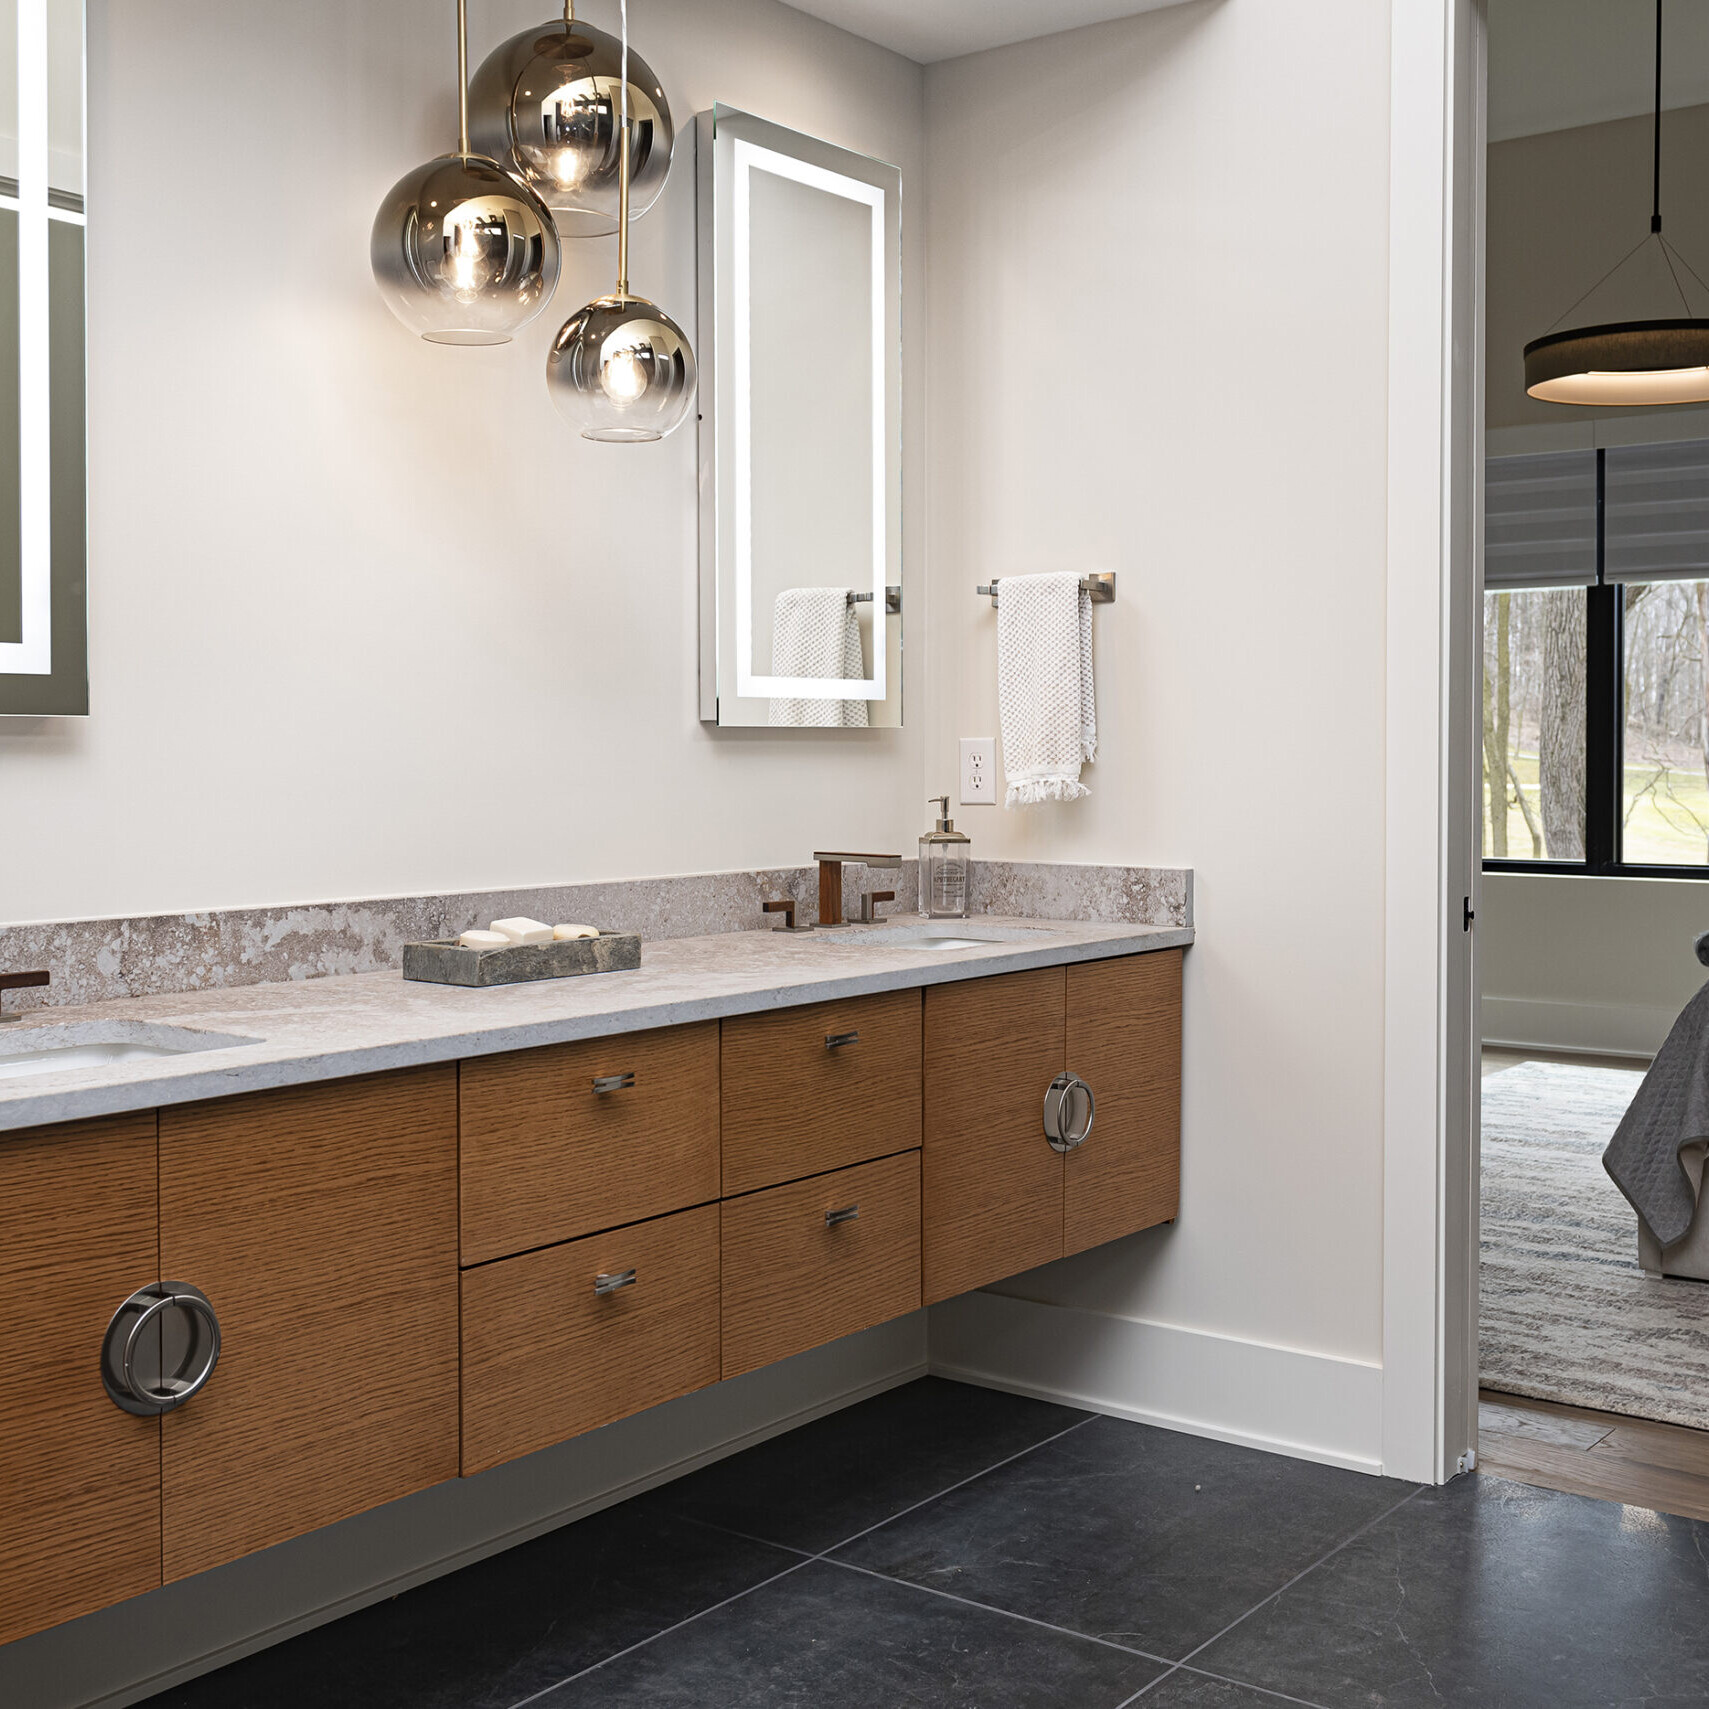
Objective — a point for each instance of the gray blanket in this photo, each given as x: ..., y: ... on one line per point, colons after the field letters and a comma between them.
x: 1670, y: 1111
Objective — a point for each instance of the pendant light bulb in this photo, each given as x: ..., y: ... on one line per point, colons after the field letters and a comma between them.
x: 1630, y: 363
x: 546, y: 103
x: 463, y: 251
x: 621, y: 370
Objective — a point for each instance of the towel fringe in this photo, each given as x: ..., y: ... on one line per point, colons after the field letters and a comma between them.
x: 1035, y: 791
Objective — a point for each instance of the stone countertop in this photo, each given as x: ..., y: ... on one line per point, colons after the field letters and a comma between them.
x: 329, y: 1029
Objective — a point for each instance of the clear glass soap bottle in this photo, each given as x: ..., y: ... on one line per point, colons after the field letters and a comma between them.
x: 945, y: 859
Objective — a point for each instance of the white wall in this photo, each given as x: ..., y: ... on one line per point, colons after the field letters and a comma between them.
x: 1159, y: 345
x: 339, y: 576
x: 1594, y: 964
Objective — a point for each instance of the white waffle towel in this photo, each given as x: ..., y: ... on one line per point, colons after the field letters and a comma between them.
x: 815, y: 631
x: 1044, y: 687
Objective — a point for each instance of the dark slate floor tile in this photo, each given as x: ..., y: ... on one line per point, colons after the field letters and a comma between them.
x: 497, y: 1631
x: 826, y: 1638
x: 1120, y: 1530
x: 819, y: 1485
x: 1190, y: 1690
x: 1497, y: 1595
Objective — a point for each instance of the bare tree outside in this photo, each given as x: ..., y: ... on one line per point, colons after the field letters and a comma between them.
x: 1560, y: 751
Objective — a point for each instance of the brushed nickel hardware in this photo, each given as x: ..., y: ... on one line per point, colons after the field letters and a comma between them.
x: 160, y: 1349
x: 831, y: 880
x: 20, y: 982
x: 836, y: 1041
x: 1067, y: 1091
x: 836, y: 1219
x: 869, y: 900
x: 1102, y: 588
x: 892, y: 600
x: 603, y: 1083
x: 610, y: 1282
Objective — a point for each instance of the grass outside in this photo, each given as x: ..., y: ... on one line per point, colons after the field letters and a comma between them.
x: 1668, y: 826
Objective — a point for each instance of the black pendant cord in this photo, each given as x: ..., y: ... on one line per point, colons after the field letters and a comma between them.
x: 1656, y: 164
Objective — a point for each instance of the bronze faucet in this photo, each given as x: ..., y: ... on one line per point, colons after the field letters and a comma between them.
x: 831, y: 881
x: 20, y: 982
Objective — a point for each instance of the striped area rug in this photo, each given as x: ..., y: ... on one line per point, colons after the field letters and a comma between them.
x: 1566, y: 1314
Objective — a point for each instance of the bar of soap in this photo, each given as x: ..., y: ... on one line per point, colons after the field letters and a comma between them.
x: 523, y: 931
x: 564, y: 933
x: 484, y: 940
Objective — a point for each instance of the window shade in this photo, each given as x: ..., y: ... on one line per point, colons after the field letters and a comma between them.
x: 1540, y: 520
x: 1656, y: 512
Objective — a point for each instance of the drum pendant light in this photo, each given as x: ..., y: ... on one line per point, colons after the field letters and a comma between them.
x: 463, y: 251
x: 546, y: 103
x: 622, y: 370
x: 1634, y: 361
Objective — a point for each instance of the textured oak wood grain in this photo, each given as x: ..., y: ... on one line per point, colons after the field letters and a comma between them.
x: 791, y: 1282
x: 993, y: 1186
x: 546, y: 1158
x: 322, y: 1223
x: 1124, y: 1041
x: 79, y: 1479
x: 795, y: 1107
x: 545, y: 1357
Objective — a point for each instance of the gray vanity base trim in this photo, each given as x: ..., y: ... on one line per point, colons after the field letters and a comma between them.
x: 330, y: 1029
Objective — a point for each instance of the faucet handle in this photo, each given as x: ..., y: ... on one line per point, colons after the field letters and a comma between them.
x: 786, y: 908
x: 21, y: 982
x: 869, y: 904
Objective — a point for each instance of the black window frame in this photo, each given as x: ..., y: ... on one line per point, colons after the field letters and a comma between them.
x: 1604, y: 734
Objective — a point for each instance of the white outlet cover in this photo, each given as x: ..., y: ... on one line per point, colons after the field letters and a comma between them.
x: 978, y: 771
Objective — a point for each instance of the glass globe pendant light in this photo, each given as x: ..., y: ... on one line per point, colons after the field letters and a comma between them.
x: 463, y: 251
x: 621, y: 370
x: 1631, y: 361
x: 546, y: 102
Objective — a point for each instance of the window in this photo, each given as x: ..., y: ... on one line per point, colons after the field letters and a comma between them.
x: 1596, y: 661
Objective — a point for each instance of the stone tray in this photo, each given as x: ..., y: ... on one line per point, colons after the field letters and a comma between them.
x: 449, y: 963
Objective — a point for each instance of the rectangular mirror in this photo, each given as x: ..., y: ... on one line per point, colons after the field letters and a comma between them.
x: 801, y: 598
x: 43, y: 614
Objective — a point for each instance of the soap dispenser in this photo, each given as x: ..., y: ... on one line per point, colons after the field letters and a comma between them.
x: 945, y: 858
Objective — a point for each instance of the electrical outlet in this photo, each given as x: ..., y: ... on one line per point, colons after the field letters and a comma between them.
x: 978, y: 770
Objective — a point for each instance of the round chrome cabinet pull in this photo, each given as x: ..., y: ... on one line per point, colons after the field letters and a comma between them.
x: 1069, y: 1109
x: 160, y: 1349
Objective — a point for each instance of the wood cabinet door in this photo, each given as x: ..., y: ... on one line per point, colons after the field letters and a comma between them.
x: 567, y: 1139
x: 1124, y: 1041
x: 79, y: 1479
x: 321, y: 1222
x: 559, y: 1342
x: 819, y: 1259
x: 993, y: 1186
x: 818, y: 1088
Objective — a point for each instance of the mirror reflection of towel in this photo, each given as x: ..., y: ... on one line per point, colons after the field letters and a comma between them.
x: 815, y: 632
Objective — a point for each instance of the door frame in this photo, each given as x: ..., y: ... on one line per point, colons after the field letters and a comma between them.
x: 1433, y: 833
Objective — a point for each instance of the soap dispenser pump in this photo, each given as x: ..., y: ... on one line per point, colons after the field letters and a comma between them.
x: 945, y: 858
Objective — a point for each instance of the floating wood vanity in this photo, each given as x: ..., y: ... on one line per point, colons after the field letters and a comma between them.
x: 422, y: 1273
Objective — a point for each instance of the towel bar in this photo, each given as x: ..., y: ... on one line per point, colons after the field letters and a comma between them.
x: 892, y: 600
x: 1101, y: 587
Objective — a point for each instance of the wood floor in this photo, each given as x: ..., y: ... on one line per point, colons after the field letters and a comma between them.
x: 1631, y: 1460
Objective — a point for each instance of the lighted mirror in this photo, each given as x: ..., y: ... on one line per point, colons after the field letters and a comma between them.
x: 801, y: 604
x: 43, y: 667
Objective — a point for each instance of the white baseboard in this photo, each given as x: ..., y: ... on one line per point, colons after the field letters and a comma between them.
x: 1311, y: 1406
x: 151, y: 1643
x: 1606, y: 1029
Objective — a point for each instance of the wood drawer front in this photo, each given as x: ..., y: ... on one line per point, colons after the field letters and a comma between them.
x: 546, y: 1158
x: 795, y: 1106
x: 322, y: 1223
x: 1124, y: 1041
x: 546, y: 1357
x: 792, y: 1281
x: 79, y: 1479
x: 993, y: 1186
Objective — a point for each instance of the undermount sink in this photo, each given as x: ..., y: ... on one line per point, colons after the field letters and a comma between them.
x: 934, y: 937
x: 49, y: 1049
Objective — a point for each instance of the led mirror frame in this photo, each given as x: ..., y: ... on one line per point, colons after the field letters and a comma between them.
x: 823, y: 165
